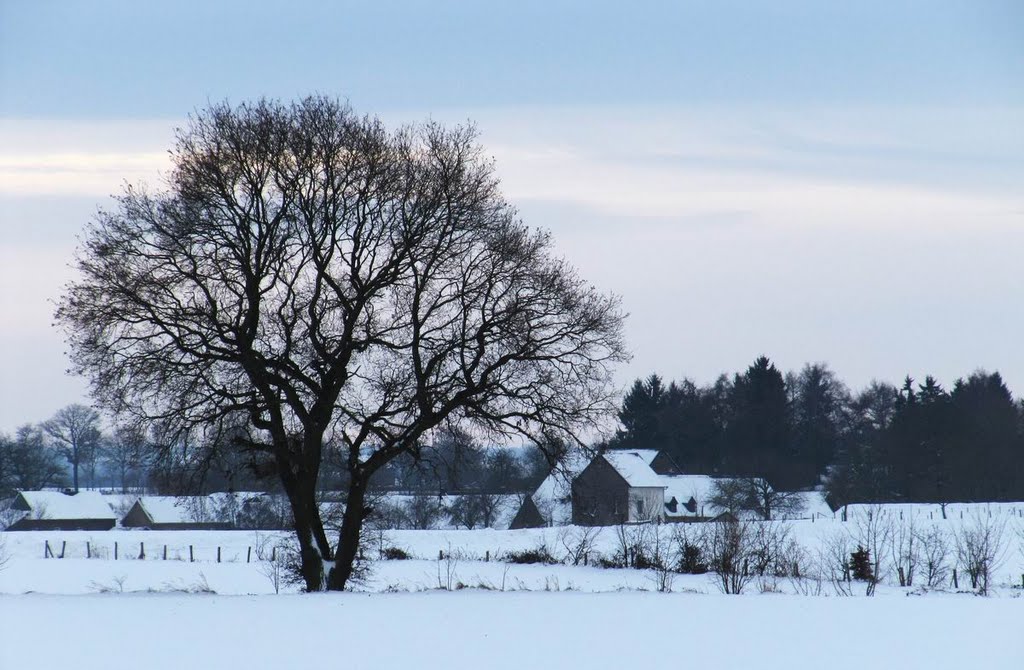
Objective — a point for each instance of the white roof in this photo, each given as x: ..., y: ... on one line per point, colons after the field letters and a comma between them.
x: 172, y: 509
x: 684, y: 487
x: 634, y: 469
x: 553, y: 497
x: 58, y: 505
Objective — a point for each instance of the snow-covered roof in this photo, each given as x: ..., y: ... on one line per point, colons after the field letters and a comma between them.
x: 647, y: 455
x: 684, y: 487
x: 632, y: 466
x: 553, y: 497
x: 173, y: 509
x: 59, y: 505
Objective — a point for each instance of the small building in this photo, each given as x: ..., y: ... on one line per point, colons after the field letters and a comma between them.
x: 56, y: 510
x: 173, y: 513
x: 551, y: 503
x: 618, y: 487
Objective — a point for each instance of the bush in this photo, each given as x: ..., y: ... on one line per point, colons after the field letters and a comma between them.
x: 691, y: 560
x: 394, y: 554
x: 530, y: 556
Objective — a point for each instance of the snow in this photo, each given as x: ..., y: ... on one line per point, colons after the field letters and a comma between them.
x: 160, y: 614
x: 553, y: 496
x: 683, y: 487
x: 170, y: 509
x: 634, y: 469
x: 58, y: 505
x: 474, y: 629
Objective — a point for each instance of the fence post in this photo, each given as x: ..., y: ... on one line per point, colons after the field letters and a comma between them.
x: 191, y: 556
x: 218, y: 554
x: 273, y: 554
x: 248, y: 554
x: 142, y: 551
x: 88, y: 549
x: 956, y: 584
x: 165, y: 552
x: 115, y: 551
x: 487, y: 556
x: 47, y: 553
x: 63, y: 547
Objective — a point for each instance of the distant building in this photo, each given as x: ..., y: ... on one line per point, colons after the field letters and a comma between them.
x: 173, y: 513
x: 55, y: 510
x: 618, y: 487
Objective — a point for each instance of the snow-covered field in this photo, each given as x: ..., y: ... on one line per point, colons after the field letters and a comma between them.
x: 469, y: 610
x: 473, y: 629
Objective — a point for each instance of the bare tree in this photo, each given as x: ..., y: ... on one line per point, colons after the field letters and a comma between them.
x: 727, y: 548
x: 980, y: 548
x: 906, y: 550
x: 75, y: 431
x: 27, y: 462
x: 126, y: 452
x: 755, y: 494
x: 312, y: 276
x: 934, y: 555
x: 873, y: 532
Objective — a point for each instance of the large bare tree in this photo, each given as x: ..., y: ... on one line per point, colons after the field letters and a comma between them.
x: 75, y: 432
x: 313, y: 276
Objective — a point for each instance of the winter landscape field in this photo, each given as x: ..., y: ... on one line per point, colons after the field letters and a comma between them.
x: 459, y: 601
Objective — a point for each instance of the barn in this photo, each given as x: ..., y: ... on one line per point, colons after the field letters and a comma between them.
x: 551, y: 503
x: 618, y: 487
x: 56, y: 510
x: 173, y: 513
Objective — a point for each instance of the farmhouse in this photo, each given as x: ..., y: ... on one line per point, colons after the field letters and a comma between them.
x: 618, y: 487
x: 173, y: 513
x: 56, y: 510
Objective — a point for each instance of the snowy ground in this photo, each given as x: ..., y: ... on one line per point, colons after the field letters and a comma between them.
x: 474, y: 629
x: 468, y: 610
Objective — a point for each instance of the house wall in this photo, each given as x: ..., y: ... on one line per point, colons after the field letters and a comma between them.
x: 136, y: 518
x: 528, y: 516
x: 63, y: 524
x: 600, y: 496
x: 645, y: 504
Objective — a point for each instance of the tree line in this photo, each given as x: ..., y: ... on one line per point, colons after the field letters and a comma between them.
x: 73, y: 449
x: 917, y: 442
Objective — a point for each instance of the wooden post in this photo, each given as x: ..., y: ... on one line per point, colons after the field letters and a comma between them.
x: 191, y: 556
x: 142, y: 551
x: 88, y: 549
x: 218, y: 554
x: 487, y: 556
x: 165, y: 552
x: 273, y: 554
x: 956, y: 584
x: 248, y: 554
x: 63, y: 547
x: 115, y: 551
x: 440, y: 554
x: 47, y: 553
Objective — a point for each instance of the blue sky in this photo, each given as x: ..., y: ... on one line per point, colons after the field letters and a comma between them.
x: 828, y: 181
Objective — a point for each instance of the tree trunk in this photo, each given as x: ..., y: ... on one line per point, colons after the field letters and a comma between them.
x: 313, y: 545
x: 348, y: 540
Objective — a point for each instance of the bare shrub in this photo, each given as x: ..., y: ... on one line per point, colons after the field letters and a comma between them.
x: 689, y: 547
x: 634, y: 547
x: 834, y: 558
x: 578, y: 543
x: 980, y: 549
x: 727, y: 545
x: 905, y: 550
x: 873, y: 532
x: 934, y: 556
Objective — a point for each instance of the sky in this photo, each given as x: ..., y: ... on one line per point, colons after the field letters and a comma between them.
x: 837, y: 182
